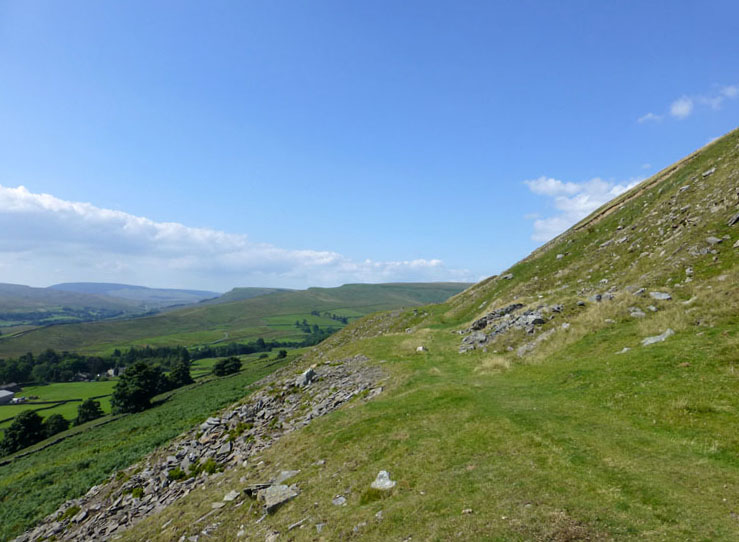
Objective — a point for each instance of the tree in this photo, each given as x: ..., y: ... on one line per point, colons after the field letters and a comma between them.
x: 56, y: 423
x: 282, y: 354
x: 87, y: 411
x: 227, y: 366
x: 136, y: 387
x: 26, y: 429
x: 180, y: 375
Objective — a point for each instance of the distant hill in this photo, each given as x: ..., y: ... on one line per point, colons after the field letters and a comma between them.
x: 150, y: 298
x: 25, y: 305
x: 270, y: 316
x: 237, y: 294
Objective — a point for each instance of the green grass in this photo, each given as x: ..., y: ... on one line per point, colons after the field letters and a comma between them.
x: 34, y: 486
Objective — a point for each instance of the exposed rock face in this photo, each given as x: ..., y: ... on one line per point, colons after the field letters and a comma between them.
x: 278, y: 408
x: 502, y: 320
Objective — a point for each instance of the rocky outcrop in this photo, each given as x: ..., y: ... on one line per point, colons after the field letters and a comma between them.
x: 502, y: 320
x: 282, y: 405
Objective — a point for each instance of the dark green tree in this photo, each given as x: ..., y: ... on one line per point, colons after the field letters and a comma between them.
x: 180, y: 374
x: 27, y: 428
x: 56, y: 423
x: 227, y: 366
x: 136, y: 387
x: 282, y: 354
x: 87, y: 411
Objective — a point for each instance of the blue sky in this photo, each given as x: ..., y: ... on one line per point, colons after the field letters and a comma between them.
x: 221, y: 144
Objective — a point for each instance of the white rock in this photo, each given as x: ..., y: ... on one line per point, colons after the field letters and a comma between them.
x: 383, y: 481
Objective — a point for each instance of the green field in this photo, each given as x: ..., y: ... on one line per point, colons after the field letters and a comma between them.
x: 32, y: 487
x: 62, y: 391
x: 265, y: 316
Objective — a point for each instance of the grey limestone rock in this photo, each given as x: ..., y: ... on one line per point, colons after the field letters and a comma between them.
x: 275, y: 496
x: 658, y: 338
x: 660, y: 296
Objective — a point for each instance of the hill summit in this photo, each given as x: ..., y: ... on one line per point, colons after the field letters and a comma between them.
x: 589, y: 392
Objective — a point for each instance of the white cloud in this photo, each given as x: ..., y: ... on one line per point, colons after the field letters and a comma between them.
x: 682, y: 107
x: 649, y: 117
x: 46, y: 240
x: 572, y: 201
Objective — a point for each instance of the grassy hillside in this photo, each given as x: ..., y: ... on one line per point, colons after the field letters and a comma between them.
x: 573, y: 431
x: 269, y: 316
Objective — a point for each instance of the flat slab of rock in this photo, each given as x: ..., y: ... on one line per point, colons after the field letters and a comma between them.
x: 285, y: 475
x: 658, y: 338
x: 231, y: 496
x: 383, y: 481
x: 275, y: 496
x: 662, y: 296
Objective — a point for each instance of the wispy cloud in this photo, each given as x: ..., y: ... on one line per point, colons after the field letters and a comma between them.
x: 572, y: 201
x: 682, y: 107
x: 685, y: 105
x: 46, y: 239
x: 649, y: 117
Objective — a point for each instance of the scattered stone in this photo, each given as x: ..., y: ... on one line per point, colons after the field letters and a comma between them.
x: 657, y: 338
x: 231, y: 496
x: 339, y: 500
x: 359, y: 526
x: 636, y: 312
x: 560, y: 256
x: 595, y: 298
x: 709, y: 172
x: 421, y: 349
x: 297, y: 524
x: 319, y: 527
x: 379, y: 516
x: 733, y: 220
x: 684, y: 364
x: 467, y: 511
x: 714, y: 240
x: 581, y: 303
x: 661, y: 296
x: 652, y: 308
x: 383, y: 481
x: 275, y: 496
x: 625, y: 349
x: 736, y: 245
x: 272, y: 537
x: 565, y: 325
x: 640, y: 291
x: 556, y: 308
x: 610, y: 321
x: 507, y: 276
x: 285, y: 475
x: 217, y: 505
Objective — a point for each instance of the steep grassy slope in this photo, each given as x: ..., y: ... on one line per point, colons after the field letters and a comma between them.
x: 572, y: 432
x: 269, y: 316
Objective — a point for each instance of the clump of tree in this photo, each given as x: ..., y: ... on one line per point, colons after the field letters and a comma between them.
x: 27, y: 429
x: 227, y: 366
x: 56, y: 423
x: 137, y: 386
x: 89, y: 410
